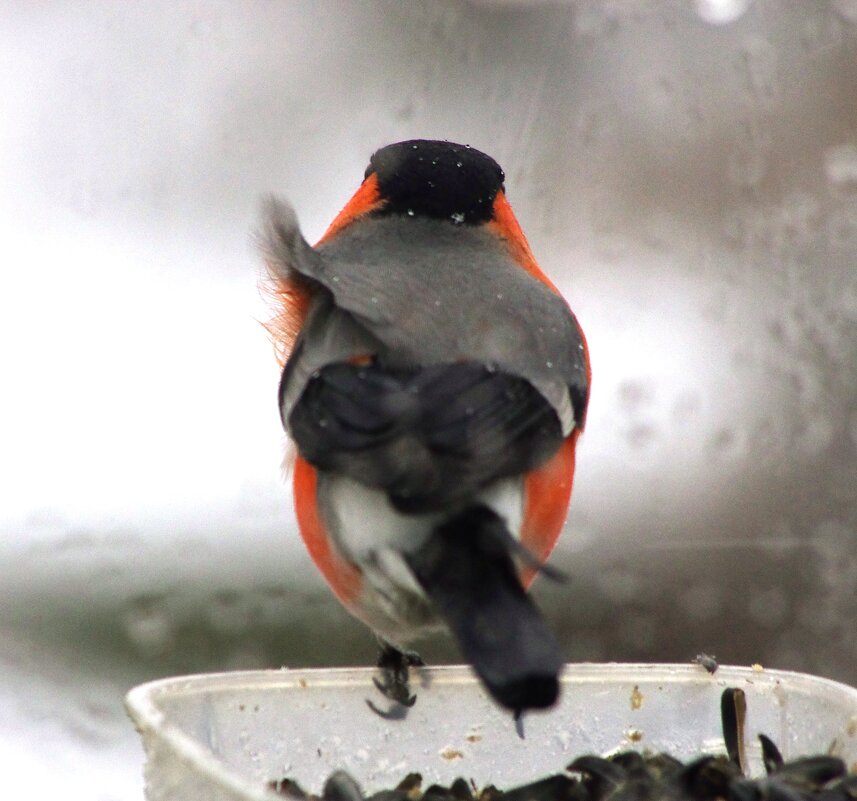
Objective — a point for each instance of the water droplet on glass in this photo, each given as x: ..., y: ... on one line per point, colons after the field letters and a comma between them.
x: 149, y: 629
x: 728, y: 442
x: 721, y: 12
x: 847, y: 9
x: 760, y: 58
x: 640, y: 435
x: 634, y: 395
x: 840, y: 164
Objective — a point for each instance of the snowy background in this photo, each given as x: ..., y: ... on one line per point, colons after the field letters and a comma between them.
x: 685, y: 171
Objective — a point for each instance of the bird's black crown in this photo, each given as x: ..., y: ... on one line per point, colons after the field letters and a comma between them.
x: 443, y: 180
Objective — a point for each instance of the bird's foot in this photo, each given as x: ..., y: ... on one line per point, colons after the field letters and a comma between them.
x: 394, y: 666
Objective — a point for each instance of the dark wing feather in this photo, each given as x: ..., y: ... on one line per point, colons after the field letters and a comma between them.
x: 430, y: 437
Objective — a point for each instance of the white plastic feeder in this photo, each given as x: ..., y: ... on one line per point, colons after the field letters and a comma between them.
x: 223, y: 737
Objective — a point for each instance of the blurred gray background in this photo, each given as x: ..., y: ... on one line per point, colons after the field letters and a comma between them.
x: 685, y: 171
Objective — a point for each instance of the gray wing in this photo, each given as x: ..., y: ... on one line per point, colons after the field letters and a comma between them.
x: 427, y: 292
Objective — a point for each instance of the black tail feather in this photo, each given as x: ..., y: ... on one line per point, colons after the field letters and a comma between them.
x: 467, y: 570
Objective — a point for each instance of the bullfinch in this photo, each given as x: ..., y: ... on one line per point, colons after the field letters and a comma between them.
x: 434, y: 383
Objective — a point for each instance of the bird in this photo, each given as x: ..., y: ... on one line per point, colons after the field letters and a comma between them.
x: 434, y: 383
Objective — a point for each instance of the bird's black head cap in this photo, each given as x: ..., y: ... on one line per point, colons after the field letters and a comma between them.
x: 443, y: 180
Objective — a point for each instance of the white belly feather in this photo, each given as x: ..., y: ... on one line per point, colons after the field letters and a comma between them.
x: 367, y: 531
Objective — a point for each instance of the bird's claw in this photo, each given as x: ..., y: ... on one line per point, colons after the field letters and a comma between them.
x: 395, y: 712
x: 396, y: 689
x: 393, y: 684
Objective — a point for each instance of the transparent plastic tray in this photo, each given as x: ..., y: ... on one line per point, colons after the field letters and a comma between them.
x: 224, y: 736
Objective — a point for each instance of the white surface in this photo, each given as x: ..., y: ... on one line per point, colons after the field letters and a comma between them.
x: 687, y: 181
